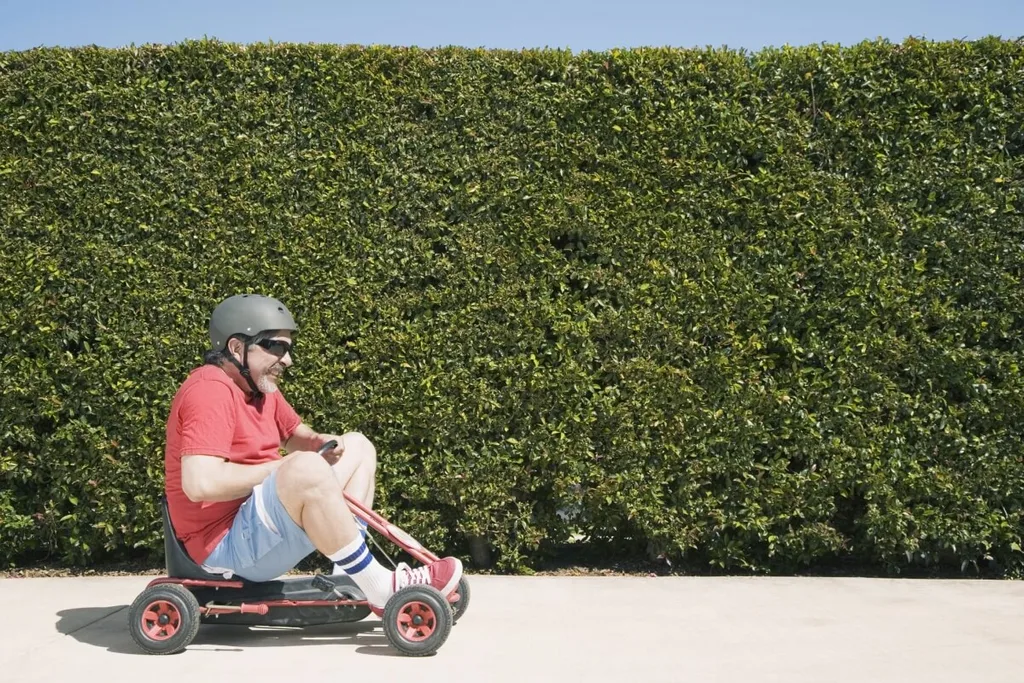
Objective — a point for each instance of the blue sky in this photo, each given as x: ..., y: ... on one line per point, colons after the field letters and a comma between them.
x: 574, y: 24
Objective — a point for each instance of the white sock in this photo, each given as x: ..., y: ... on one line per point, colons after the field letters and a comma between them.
x: 372, y: 578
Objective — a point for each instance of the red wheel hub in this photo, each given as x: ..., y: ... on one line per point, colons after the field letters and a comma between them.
x: 416, y: 621
x: 161, y: 620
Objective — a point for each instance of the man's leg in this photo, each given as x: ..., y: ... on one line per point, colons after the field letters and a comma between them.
x: 357, y: 468
x: 312, y: 497
x: 311, y: 494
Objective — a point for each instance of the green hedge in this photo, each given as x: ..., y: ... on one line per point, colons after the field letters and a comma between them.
x: 750, y: 311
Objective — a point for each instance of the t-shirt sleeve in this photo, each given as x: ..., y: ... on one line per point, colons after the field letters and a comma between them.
x: 207, y: 420
x: 287, y: 419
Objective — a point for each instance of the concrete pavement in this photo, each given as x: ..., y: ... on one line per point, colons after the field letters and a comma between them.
x: 520, y: 629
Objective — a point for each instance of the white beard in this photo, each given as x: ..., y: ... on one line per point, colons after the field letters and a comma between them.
x: 267, y: 384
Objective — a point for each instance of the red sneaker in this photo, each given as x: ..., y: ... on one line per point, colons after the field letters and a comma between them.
x: 444, y: 575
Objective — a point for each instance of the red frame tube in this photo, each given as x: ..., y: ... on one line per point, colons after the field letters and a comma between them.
x: 196, y: 582
x: 262, y: 607
x: 387, y: 529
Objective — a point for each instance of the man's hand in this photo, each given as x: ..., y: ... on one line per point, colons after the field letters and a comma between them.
x: 305, y: 439
x: 334, y: 455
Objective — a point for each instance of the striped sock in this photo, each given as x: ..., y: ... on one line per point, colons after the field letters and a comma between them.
x: 364, y: 530
x: 372, y: 578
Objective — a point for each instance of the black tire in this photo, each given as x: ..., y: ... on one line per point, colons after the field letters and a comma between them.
x: 164, y: 619
x: 417, y: 620
x: 459, y: 608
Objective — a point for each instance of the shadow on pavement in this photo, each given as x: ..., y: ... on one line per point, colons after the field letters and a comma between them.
x: 107, y: 627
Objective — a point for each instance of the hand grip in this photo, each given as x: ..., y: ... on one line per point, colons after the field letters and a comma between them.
x: 329, y: 446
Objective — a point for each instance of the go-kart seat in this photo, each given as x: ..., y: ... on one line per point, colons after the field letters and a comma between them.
x: 179, y: 564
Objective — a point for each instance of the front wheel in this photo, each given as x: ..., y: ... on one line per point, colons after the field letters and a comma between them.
x: 462, y: 604
x: 164, y: 619
x: 417, y: 620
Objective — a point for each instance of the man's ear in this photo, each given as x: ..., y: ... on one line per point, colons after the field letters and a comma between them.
x: 236, y: 346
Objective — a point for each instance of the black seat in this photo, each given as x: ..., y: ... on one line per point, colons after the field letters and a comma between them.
x: 179, y: 564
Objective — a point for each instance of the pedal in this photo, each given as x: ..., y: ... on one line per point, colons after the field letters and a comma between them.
x: 322, y: 584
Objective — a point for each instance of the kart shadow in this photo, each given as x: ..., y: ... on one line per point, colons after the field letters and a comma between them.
x: 106, y: 627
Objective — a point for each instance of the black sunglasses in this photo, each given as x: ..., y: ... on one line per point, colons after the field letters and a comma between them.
x: 277, y: 347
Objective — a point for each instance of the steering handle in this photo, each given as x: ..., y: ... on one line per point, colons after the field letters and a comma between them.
x: 329, y: 446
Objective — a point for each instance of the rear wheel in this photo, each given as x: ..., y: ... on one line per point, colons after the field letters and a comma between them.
x: 164, y: 619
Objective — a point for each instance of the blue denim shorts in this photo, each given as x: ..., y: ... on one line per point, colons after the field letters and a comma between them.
x: 263, y: 542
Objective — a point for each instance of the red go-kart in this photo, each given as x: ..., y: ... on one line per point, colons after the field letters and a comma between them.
x: 166, y: 616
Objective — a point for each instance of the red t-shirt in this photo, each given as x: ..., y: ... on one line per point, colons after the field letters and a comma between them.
x: 210, y: 415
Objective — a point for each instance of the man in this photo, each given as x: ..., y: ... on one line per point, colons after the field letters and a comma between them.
x: 239, y: 507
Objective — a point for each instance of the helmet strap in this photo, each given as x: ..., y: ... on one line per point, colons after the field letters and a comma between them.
x: 243, y: 369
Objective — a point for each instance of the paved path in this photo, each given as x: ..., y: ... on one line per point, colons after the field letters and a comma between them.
x: 527, y: 629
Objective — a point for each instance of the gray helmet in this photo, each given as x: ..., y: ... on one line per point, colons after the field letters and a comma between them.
x: 248, y: 314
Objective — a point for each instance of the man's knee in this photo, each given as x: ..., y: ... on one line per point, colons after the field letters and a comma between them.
x: 356, y: 443
x: 304, y: 475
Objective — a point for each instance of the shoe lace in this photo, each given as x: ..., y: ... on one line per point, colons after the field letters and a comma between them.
x: 405, y: 576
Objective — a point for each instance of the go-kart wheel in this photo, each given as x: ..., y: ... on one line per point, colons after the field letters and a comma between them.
x: 459, y: 607
x: 417, y: 620
x: 164, y: 619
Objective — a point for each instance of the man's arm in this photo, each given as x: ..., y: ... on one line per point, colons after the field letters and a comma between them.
x: 303, y: 439
x: 211, y: 479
